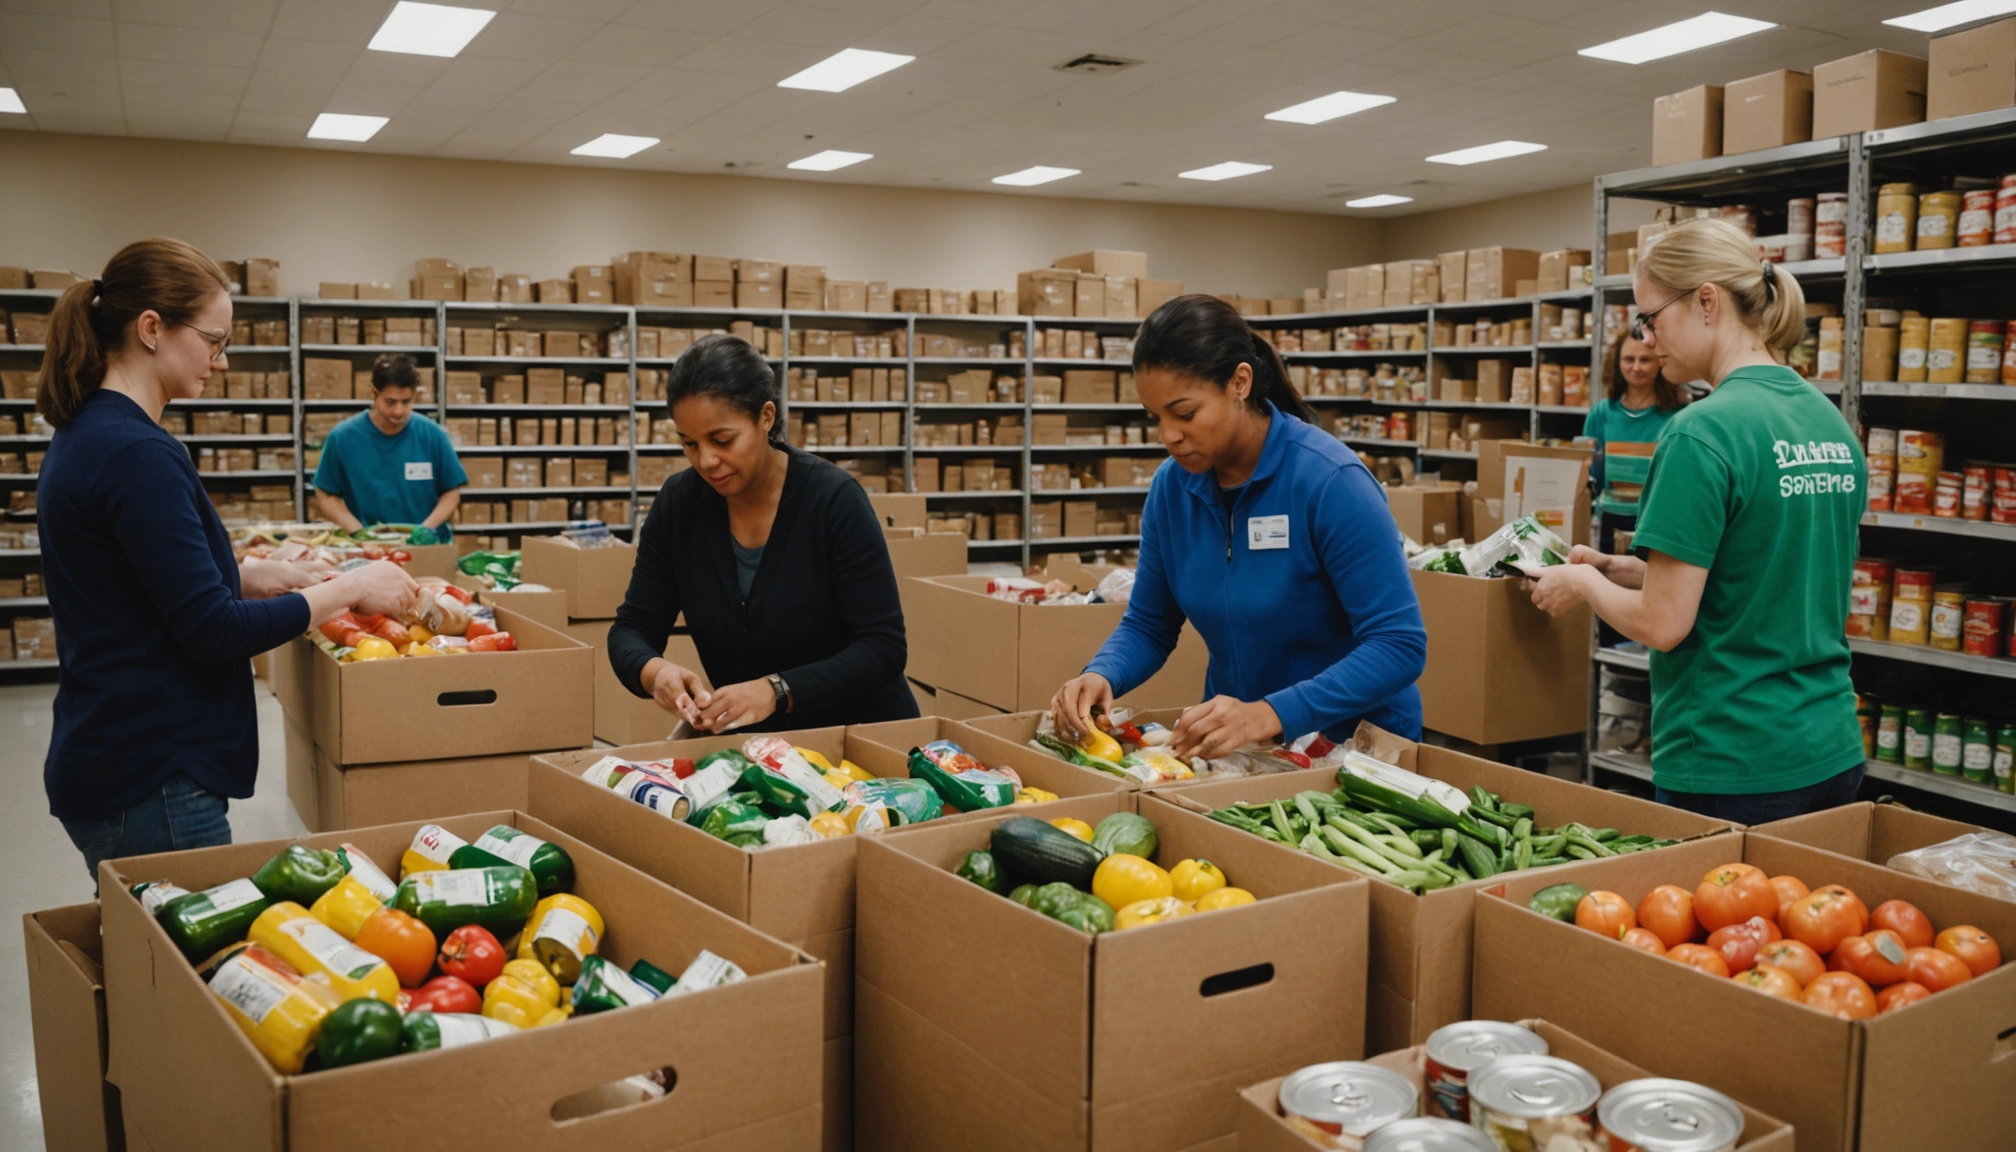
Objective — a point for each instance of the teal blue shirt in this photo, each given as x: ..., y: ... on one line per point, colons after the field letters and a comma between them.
x: 1624, y: 439
x: 389, y: 479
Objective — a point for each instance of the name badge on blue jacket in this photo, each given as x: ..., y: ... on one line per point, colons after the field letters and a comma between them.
x: 1266, y: 532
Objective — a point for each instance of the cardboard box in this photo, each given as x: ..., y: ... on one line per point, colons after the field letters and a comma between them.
x: 1454, y: 269
x: 262, y: 277
x: 1500, y: 669
x: 1931, y: 1077
x: 1867, y: 91
x: 1970, y: 71
x: 1865, y: 831
x: 1152, y: 294
x: 1106, y: 262
x: 1767, y: 111
x: 1421, y: 961
x: 1047, y: 292
x: 1420, y: 510
x: 898, y: 510
x: 654, y: 279
x: 1262, y: 1129
x: 952, y: 706
x: 1687, y: 125
x: 1073, y: 1044
x: 329, y: 796
x: 66, y: 1005
x: 1554, y: 267
x: 219, y: 1092
x: 1494, y: 273
x: 1549, y: 483
x: 1090, y: 295
x: 595, y: 579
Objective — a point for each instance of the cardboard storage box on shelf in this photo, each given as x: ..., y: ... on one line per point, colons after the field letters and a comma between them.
x: 1421, y: 508
x: 1152, y: 294
x: 654, y: 279
x: 1122, y: 1042
x: 1767, y: 111
x: 1867, y: 91
x: 66, y: 1006
x: 1494, y: 273
x: 1973, y: 70
x: 898, y: 509
x: 1013, y: 656
x: 1262, y: 1128
x: 1420, y: 975
x: 1047, y: 292
x: 1557, y: 267
x: 1865, y: 831
x: 1500, y: 669
x: 1933, y: 1076
x: 1106, y: 262
x: 1687, y: 125
x: 189, y: 1079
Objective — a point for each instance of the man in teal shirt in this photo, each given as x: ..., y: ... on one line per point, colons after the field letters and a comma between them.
x: 385, y: 466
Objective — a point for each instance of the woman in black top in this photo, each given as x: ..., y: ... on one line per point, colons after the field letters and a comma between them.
x: 777, y: 561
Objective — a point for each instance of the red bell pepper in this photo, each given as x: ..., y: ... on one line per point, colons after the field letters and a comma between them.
x: 473, y: 954
x: 447, y: 994
x: 479, y: 628
x: 495, y: 642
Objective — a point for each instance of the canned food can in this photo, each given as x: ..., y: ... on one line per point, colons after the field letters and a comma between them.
x: 1454, y: 1050
x: 1346, y: 1098
x: 1890, y: 734
x: 1911, y: 606
x: 1977, y: 751
x: 1914, y: 336
x: 1977, y: 218
x: 1948, y: 489
x: 2005, y: 211
x: 1881, y: 442
x: 1656, y: 1115
x: 1946, y: 356
x: 1949, y: 612
x: 1984, y: 352
x: 1869, y: 599
x: 1974, y: 493
x: 1981, y: 630
x: 1799, y: 216
x: 1918, y: 739
x: 1428, y: 1134
x: 1882, y: 483
x: 1896, y: 217
x: 1948, y: 743
x: 1867, y: 711
x: 1524, y: 1102
x: 1743, y: 216
x: 2005, y: 759
x: 1920, y: 451
x: 2009, y: 353
x: 1938, y: 219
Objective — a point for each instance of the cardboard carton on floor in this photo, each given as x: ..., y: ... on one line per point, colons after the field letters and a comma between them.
x: 330, y: 796
x: 1935, y: 1075
x: 1972, y: 70
x: 1499, y: 669
x: 1013, y: 656
x: 1421, y: 955
x: 190, y: 1079
x: 1262, y: 1129
x: 594, y: 579
x: 1865, y: 831
x: 1125, y: 1041
x: 66, y: 1004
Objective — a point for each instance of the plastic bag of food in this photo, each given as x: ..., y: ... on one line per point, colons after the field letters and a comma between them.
x: 738, y: 820
x: 1983, y: 862
x: 439, y: 613
x: 904, y: 801
x: 785, y: 779
x: 960, y: 779
x: 786, y: 831
x: 1016, y: 588
x: 1117, y: 587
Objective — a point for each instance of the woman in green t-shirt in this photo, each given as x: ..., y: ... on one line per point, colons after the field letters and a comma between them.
x: 1625, y: 424
x: 1746, y: 540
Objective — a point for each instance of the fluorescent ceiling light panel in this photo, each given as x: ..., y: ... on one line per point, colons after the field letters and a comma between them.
x: 1040, y: 174
x: 1948, y: 15
x: 429, y: 29
x: 1225, y: 171
x: 1326, y: 108
x: 339, y: 126
x: 1382, y: 200
x: 10, y: 101
x: 1673, y: 39
x: 1483, y: 152
x: 830, y: 159
x: 615, y: 146
x: 845, y: 69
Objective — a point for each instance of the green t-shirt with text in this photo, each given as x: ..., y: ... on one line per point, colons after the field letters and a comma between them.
x: 1762, y: 483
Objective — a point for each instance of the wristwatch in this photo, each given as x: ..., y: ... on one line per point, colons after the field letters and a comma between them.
x: 782, y: 691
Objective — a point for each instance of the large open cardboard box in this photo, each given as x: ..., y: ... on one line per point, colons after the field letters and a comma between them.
x: 620, y: 715
x: 1421, y: 967
x: 331, y: 796
x: 1262, y: 1129
x: 1865, y: 831
x: 189, y: 1079
x: 1500, y: 669
x: 66, y: 1005
x: 1935, y: 1075
x: 436, y: 560
x: 1126, y: 1041
x: 595, y: 579
x: 1517, y: 478
x: 1018, y: 728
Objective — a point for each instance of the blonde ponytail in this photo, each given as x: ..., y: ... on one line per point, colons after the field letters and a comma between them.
x: 90, y: 320
x: 1768, y: 299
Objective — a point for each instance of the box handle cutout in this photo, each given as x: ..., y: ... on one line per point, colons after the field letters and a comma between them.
x: 464, y: 699
x: 616, y: 1096
x: 1235, y: 980
x: 2005, y: 1044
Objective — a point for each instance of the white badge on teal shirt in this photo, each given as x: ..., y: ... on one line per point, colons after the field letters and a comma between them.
x: 1264, y: 533
x: 419, y: 470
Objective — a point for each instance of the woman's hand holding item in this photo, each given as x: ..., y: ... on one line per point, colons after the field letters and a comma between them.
x: 738, y: 706
x: 679, y: 689
x: 1077, y: 700
x: 380, y: 588
x: 1221, y: 725
x: 265, y: 579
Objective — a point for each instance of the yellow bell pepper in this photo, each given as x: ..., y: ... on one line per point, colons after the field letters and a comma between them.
x: 1223, y: 898
x: 564, y: 930
x: 1075, y: 827
x: 830, y: 824
x: 855, y: 771
x: 525, y: 994
x: 1034, y: 796
x: 1097, y: 743
x: 373, y: 648
x: 314, y: 949
x: 816, y: 759
x: 534, y: 974
x: 1145, y: 912
x: 419, y: 634
x: 416, y: 648
x: 1193, y: 879
x: 345, y: 907
x: 1123, y: 880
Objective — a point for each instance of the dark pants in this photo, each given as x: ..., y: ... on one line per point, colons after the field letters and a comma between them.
x: 181, y: 814
x: 1764, y: 807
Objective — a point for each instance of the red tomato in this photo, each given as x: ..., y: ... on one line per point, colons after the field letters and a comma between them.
x: 1911, y: 926
x: 1732, y: 894
x: 1794, y: 959
x: 495, y: 642
x: 1975, y: 948
x: 1839, y: 890
x: 1937, y: 970
x: 1841, y: 994
x: 473, y: 954
x: 1770, y: 981
x: 447, y: 994
x: 1825, y: 917
x: 1900, y: 996
x: 1696, y: 956
x: 1788, y: 888
x: 1606, y: 914
x: 374, y: 552
x: 1740, y: 943
x: 1878, y: 957
x: 479, y: 628
x: 1644, y: 938
x: 1668, y: 913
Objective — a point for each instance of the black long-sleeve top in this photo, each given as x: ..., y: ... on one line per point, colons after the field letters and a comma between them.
x: 823, y: 611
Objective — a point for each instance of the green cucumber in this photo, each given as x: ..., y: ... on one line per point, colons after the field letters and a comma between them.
x: 1035, y: 852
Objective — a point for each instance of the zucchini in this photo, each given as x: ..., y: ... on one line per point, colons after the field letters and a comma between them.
x: 1126, y: 833
x: 1035, y: 852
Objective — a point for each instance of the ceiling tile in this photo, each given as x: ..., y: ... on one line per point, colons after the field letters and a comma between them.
x: 477, y: 84
x: 82, y: 125
x: 20, y: 31
x: 364, y: 98
x: 179, y: 44
x: 59, y: 67
x: 252, y: 16
x: 623, y: 44
x: 513, y: 36
x: 307, y: 57
x: 597, y: 10
x: 285, y: 93
x: 708, y: 16
x: 83, y: 9
x: 577, y: 83
x: 166, y: 126
x: 824, y: 28
x: 194, y: 79
x: 343, y: 21
x: 96, y: 101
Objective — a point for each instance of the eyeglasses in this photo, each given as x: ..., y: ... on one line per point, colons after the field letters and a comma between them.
x: 1641, y: 324
x: 218, y: 341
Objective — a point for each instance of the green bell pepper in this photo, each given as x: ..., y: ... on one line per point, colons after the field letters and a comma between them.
x: 981, y: 869
x: 1025, y: 895
x: 203, y: 922
x: 603, y: 987
x: 1090, y: 914
x: 500, y: 899
x: 1053, y: 900
x: 549, y: 863
x: 357, y: 1031
x: 1558, y: 901
x: 301, y: 874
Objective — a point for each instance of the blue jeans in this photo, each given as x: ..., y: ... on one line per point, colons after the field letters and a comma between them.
x: 181, y: 814
x: 1764, y: 807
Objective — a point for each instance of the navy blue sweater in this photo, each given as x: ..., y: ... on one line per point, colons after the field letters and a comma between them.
x: 1301, y: 592
x: 154, y: 641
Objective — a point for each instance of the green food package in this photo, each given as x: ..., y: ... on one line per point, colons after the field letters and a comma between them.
x: 652, y: 976
x: 603, y: 987
x: 959, y: 779
x: 907, y: 801
x: 980, y: 868
x: 795, y: 792
x: 549, y: 863
x: 202, y: 922
x: 500, y: 899
x: 301, y: 874
x: 426, y: 1031
x: 500, y: 567
x: 739, y: 820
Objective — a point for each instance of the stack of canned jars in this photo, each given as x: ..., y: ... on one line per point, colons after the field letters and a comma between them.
x: 1973, y: 748
x: 1911, y: 606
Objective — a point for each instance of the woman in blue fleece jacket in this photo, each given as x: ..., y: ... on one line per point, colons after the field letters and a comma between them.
x: 1272, y: 538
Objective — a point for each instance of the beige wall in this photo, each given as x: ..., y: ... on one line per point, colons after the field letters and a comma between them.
x: 71, y: 201
x: 1561, y: 218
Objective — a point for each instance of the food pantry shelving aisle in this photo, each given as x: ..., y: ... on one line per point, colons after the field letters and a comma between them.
x: 1981, y: 418
x: 319, y: 330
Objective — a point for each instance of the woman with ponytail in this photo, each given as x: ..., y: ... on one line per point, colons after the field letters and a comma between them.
x: 1745, y: 545
x: 1272, y: 538
x: 156, y: 624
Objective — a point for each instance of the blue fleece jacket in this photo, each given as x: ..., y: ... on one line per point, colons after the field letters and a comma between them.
x: 1325, y: 629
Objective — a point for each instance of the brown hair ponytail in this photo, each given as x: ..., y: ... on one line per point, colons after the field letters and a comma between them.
x: 90, y: 320
x: 1205, y: 337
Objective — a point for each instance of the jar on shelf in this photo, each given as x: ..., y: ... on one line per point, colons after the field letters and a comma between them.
x: 1914, y: 338
x: 1938, y: 220
x: 1896, y: 217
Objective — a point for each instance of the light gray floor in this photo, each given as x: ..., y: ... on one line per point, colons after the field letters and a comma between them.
x: 39, y: 868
